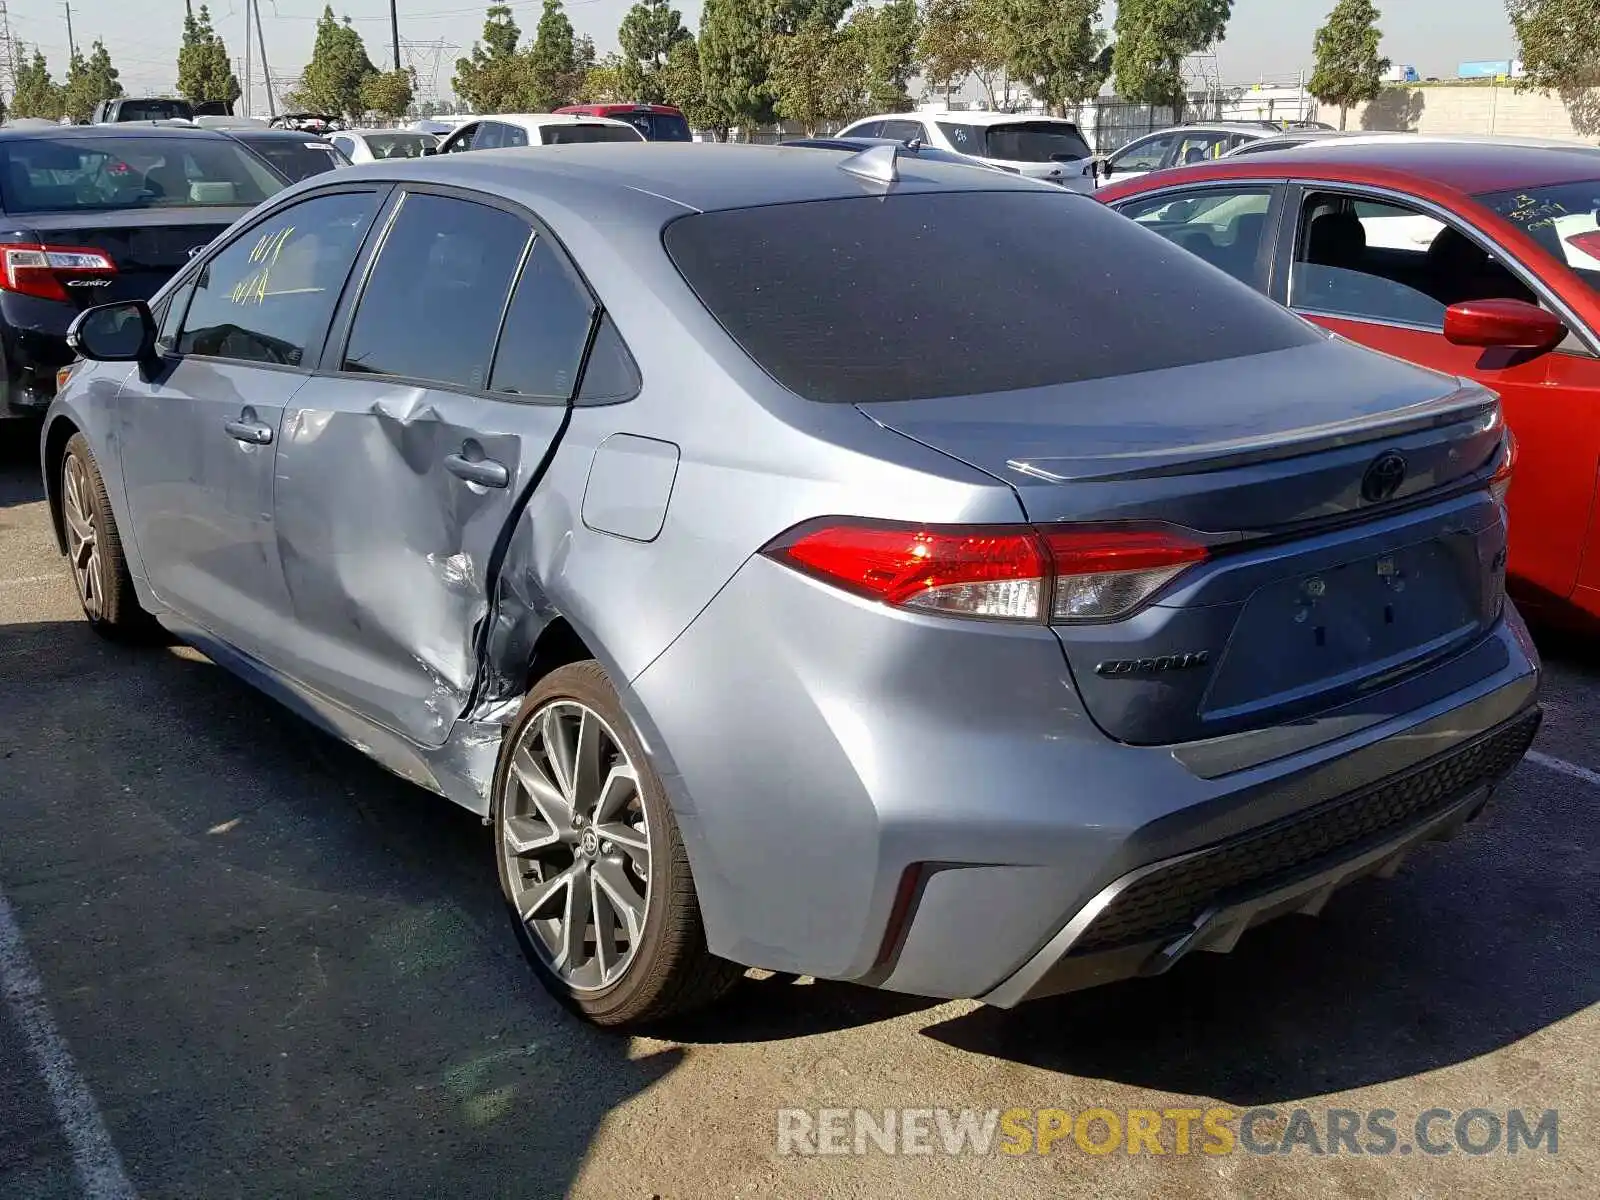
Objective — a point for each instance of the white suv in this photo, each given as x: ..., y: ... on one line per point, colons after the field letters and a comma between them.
x: 1040, y: 147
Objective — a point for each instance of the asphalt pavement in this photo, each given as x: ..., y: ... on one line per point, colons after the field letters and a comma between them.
x: 240, y: 960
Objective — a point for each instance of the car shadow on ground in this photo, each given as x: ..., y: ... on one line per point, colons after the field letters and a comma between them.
x: 20, y: 482
x: 282, y: 971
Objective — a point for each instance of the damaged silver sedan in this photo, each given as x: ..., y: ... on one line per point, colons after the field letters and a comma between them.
x: 841, y: 564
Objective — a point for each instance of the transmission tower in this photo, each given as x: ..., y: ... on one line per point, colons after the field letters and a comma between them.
x: 424, y: 59
x: 8, y: 58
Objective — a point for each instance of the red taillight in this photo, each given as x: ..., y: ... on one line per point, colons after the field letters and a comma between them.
x: 1500, y: 481
x: 1004, y: 572
x: 42, y: 271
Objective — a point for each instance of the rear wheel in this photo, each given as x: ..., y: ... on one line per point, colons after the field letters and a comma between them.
x: 591, y: 861
x: 94, y: 548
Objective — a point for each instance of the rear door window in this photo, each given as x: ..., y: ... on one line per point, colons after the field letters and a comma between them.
x: 1224, y: 226
x: 545, y: 329
x: 1146, y: 155
x: 903, y: 131
x: 433, y: 301
x: 962, y: 293
x: 267, y: 296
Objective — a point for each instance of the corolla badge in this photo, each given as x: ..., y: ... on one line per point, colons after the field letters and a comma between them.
x: 1154, y: 666
x: 1383, y: 478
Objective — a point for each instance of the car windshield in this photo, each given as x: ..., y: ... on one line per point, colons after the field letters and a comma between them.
x: 565, y: 135
x: 1019, y: 141
x: 398, y: 145
x: 46, y: 174
x: 295, y: 158
x: 658, y: 127
x: 927, y: 294
x: 154, y: 110
x: 1564, y: 218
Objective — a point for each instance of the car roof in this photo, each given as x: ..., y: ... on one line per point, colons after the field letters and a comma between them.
x: 276, y: 135
x: 967, y: 116
x: 606, y: 106
x: 363, y: 133
x: 1468, y: 164
x: 699, y: 176
x: 536, y: 120
x: 120, y: 129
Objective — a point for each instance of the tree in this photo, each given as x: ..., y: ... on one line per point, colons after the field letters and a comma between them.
x: 1348, y: 68
x: 1055, y: 48
x: 495, y: 77
x: 602, y: 82
x: 818, y: 74
x: 90, y: 81
x: 1560, y: 42
x: 555, y: 67
x: 735, y: 45
x: 887, y: 35
x: 36, y: 94
x: 1153, y: 39
x: 388, y: 93
x: 962, y: 38
x: 684, y: 85
x: 647, y: 34
x: 204, y: 72
x: 334, y: 79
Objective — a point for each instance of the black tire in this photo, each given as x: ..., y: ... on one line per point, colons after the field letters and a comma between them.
x: 116, y: 612
x: 672, y: 971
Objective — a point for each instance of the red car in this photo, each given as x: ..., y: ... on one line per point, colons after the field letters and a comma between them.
x: 658, y: 122
x: 1478, y: 258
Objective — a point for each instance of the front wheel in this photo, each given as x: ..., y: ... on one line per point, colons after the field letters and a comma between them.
x: 94, y: 547
x: 591, y: 861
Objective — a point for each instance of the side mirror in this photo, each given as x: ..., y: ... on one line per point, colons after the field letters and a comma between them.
x: 1512, y: 324
x: 1102, y: 168
x: 121, y: 332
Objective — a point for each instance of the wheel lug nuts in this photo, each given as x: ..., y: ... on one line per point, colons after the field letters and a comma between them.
x: 577, y: 821
x: 606, y: 847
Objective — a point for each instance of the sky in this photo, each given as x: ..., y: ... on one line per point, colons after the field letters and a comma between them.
x: 1267, y: 39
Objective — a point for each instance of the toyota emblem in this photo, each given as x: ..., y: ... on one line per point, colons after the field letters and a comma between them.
x: 1384, y: 476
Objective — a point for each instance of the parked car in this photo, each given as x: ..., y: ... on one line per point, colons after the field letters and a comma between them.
x: 308, y: 122
x: 145, y: 108
x: 1181, y: 145
x: 908, y: 150
x: 1039, y: 147
x: 371, y: 145
x: 103, y: 212
x: 1286, y: 141
x: 293, y: 155
x: 504, y: 130
x: 1476, y: 257
x: 780, y: 603
x: 657, y: 122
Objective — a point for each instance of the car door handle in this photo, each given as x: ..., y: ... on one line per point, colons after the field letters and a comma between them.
x: 254, y: 432
x: 484, y: 471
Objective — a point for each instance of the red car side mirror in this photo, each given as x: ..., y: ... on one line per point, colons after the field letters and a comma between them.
x: 1513, y: 324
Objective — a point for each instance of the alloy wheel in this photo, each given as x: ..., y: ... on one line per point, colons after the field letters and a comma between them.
x: 575, y: 842
x: 83, y: 543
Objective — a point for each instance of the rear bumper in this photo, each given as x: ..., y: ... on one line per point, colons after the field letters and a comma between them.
x: 33, y: 346
x: 1144, y: 922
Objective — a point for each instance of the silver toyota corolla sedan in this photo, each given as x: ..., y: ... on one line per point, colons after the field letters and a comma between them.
x: 843, y: 564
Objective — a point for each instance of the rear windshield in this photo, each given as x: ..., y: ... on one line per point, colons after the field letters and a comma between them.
x: 154, y: 110
x: 46, y: 174
x: 295, y: 158
x: 657, y: 127
x: 1019, y: 141
x: 565, y: 135
x: 398, y: 145
x: 962, y: 293
x: 1564, y: 218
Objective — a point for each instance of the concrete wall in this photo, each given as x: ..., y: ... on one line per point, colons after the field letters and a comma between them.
x: 1496, y: 109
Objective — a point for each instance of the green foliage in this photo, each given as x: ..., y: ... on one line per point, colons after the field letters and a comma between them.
x: 887, y: 36
x: 1153, y: 39
x: 1056, y: 48
x: 962, y: 38
x: 684, y: 85
x: 1349, y: 68
x: 818, y: 74
x: 495, y: 77
x: 602, y: 82
x: 90, y: 81
x: 735, y: 60
x: 1560, y: 42
x: 647, y: 35
x: 556, y: 67
x: 388, y: 93
x: 334, y: 79
x: 204, y: 72
x: 36, y: 94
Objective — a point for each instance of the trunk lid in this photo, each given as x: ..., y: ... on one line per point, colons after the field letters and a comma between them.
x: 148, y: 246
x: 1330, y: 573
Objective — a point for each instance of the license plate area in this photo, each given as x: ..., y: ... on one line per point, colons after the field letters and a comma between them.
x: 1336, y: 628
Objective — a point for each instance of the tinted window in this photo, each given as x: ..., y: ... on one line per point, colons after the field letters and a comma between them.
x: 154, y: 110
x: 267, y: 297
x: 461, y: 140
x: 1224, y: 226
x: 490, y: 136
x: 866, y: 129
x: 657, y: 127
x: 170, y: 316
x: 295, y: 158
x: 610, y: 374
x: 903, y: 131
x: 1564, y: 218
x: 955, y: 293
x: 513, y: 135
x: 46, y: 174
x: 563, y: 135
x: 1144, y: 156
x: 1198, y: 147
x: 546, y: 328
x: 1019, y: 141
x: 398, y: 144
x: 433, y: 301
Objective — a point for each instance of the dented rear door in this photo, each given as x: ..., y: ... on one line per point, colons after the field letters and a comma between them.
x: 402, y: 463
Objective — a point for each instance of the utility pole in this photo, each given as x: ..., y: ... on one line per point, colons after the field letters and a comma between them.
x: 266, y: 72
x: 8, y: 57
x: 394, y: 30
x: 247, y: 60
x: 72, y: 46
